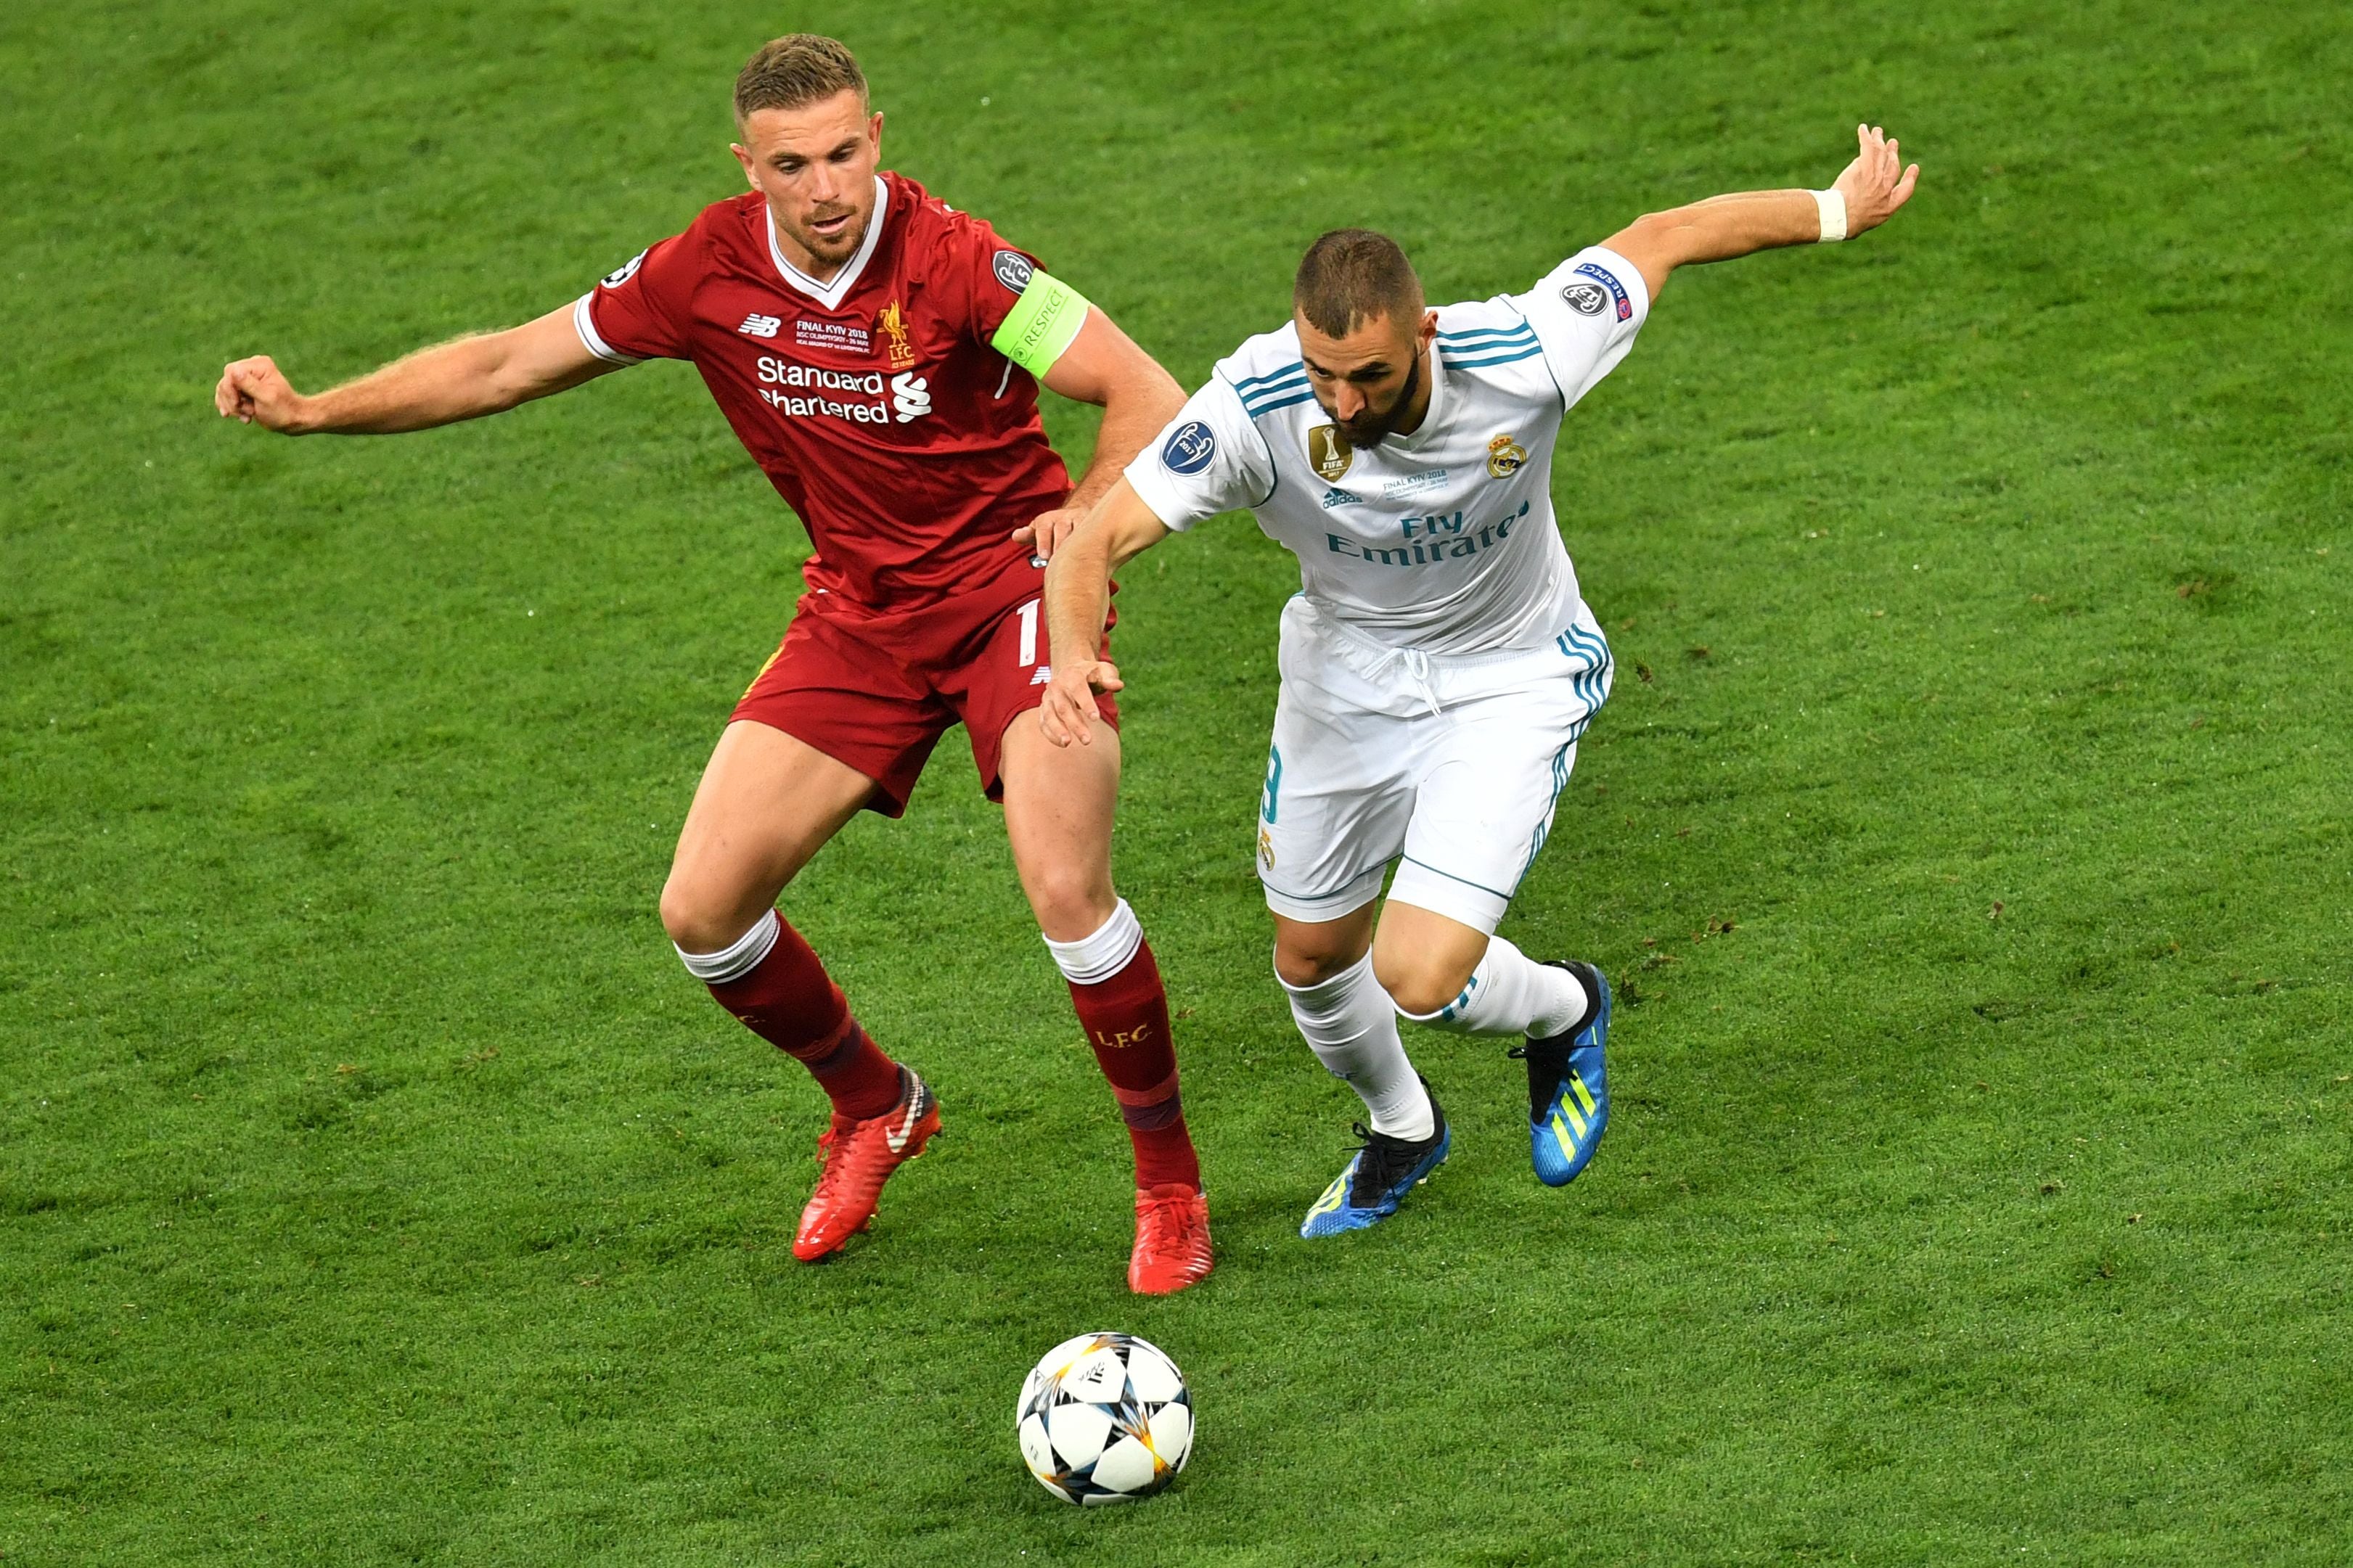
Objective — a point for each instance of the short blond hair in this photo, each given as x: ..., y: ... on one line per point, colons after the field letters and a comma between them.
x: 794, y: 70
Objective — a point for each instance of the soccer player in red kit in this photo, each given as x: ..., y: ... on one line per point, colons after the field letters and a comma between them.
x: 879, y: 353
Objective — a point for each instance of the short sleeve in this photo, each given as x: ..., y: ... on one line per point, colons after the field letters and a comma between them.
x: 1586, y: 312
x: 983, y: 277
x: 1210, y: 459
x: 632, y: 314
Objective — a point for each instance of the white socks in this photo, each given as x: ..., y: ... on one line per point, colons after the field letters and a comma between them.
x: 738, y: 958
x: 1091, y: 960
x: 1511, y: 994
x: 1351, y: 1024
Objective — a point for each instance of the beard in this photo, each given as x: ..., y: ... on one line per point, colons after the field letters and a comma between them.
x: 1369, y: 429
x: 841, y: 248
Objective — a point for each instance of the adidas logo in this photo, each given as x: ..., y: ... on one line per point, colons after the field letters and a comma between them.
x: 1335, y: 496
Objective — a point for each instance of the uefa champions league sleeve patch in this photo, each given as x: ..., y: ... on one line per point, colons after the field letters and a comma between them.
x: 1012, y: 269
x: 624, y: 272
x: 1189, y: 448
x: 1609, y: 281
x: 1585, y: 299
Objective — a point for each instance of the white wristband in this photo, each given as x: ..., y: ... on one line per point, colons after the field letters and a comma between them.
x: 1833, y: 210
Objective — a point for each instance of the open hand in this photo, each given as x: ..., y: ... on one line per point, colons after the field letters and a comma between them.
x: 1045, y: 534
x: 1876, y: 182
x: 1069, y: 712
x: 254, y: 391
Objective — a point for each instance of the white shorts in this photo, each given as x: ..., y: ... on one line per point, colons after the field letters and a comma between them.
x: 1449, y: 763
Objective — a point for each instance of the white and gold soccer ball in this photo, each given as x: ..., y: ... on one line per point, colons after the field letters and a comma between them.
x: 1104, y: 1418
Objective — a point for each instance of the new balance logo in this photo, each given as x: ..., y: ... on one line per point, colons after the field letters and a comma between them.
x: 758, y: 326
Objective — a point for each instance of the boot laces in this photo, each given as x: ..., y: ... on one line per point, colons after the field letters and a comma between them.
x: 1382, y: 1161
x: 1547, y: 1070
x: 833, y: 1160
x: 1168, y: 1222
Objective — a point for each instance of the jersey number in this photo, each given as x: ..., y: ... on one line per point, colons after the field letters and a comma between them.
x: 1029, y: 614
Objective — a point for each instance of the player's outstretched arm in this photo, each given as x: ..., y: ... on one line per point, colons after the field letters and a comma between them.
x: 1868, y: 191
x: 1078, y: 599
x: 1104, y: 366
x: 463, y: 380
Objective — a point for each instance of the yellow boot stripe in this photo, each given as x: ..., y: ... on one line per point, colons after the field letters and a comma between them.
x: 1560, y: 1132
x: 1335, y: 1194
x: 1576, y: 1085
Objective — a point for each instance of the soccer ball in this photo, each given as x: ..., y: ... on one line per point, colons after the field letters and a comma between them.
x: 1104, y: 1418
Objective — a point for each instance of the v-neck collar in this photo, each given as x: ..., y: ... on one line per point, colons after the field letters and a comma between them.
x: 831, y: 294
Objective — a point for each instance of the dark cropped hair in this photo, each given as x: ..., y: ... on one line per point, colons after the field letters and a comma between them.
x: 1354, y: 275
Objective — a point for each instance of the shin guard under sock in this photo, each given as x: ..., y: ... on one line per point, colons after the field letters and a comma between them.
x: 774, y: 983
x: 1352, y: 1027
x: 1121, y: 1004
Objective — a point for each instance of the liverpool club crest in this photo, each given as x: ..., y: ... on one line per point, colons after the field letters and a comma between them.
x: 892, y: 323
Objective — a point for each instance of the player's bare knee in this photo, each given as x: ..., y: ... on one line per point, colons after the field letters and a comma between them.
x: 1420, y: 995
x: 1300, y: 967
x: 698, y: 922
x: 1070, y: 904
x: 1415, y: 984
x: 684, y: 917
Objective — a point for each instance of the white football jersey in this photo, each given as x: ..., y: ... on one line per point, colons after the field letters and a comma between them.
x: 1443, y: 540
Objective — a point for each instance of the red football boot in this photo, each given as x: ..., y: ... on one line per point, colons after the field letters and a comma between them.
x: 1172, y: 1240
x: 856, y: 1158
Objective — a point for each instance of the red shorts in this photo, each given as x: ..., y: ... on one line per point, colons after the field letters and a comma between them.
x: 877, y: 689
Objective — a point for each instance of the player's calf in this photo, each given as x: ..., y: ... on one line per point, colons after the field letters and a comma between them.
x: 1123, y: 1005
x: 1350, y: 1022
x: 774, y: 983
x: 883, y: 1113
x: 1563, y: 1009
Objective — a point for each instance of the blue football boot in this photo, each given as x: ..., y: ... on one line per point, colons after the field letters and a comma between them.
x: 1569, y: 1086
x: 1378, y: 1178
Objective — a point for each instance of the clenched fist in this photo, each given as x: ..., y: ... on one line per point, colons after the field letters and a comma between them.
x: 254, y: 391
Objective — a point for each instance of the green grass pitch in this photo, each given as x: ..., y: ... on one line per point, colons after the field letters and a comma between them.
x: 1968, y: 831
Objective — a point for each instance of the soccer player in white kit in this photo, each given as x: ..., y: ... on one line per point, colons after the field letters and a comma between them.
x: 1438, y: 662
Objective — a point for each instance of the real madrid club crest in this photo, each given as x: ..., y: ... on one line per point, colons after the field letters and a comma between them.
x: 893, y: 323
x: 1328, y: 452
x: 1504, y: 455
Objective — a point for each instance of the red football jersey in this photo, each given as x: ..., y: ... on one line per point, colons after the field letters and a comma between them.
x: 874, y: 402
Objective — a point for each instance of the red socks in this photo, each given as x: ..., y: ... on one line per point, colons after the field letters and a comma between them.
x: 1126, y: 1017
x: 789, y: 1001
x: 771, y: 980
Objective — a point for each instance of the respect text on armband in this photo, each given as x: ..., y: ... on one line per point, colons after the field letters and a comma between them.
x: 1043, y: 321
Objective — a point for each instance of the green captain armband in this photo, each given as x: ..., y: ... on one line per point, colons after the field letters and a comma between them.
x: 1041, y: 323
